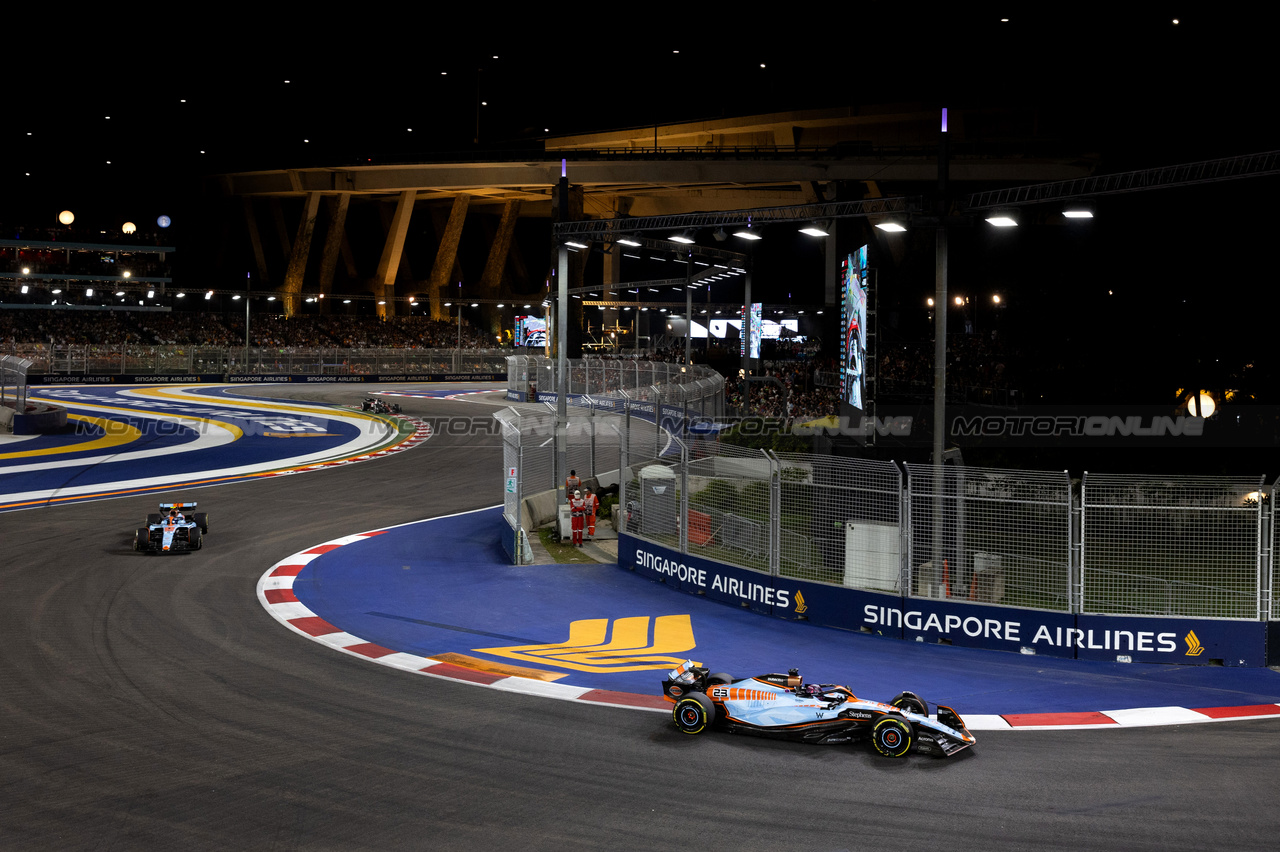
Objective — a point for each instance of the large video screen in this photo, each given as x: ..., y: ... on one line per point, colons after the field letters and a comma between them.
x: 769, y: 329
x: 530, y: 331
x: 754, y: 323
x: 853, y: 316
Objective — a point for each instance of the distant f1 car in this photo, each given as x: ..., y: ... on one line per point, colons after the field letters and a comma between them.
x: 379, y: 406
x: 783, y: 707
x: 171, y: 531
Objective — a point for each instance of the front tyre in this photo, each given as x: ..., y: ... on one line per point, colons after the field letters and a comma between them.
x: 911, y: 702
x: 141, y: 537
x: 893, y: 736
x: 693, y: 713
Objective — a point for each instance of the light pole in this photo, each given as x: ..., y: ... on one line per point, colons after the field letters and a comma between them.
x: 562, y: 341
x: 247, y: 281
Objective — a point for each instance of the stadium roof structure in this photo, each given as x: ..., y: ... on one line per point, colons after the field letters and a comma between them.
x: 802, y: 160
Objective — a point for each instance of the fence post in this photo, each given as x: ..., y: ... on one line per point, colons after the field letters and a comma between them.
x: 1075, y: 548
x: 1078, y: 586
x: 1265, y: 516
x: 655, y: 397
x: 520, y: 530
x: 592, y: 416
x: 905, y: 570
x: 684, y: 497
x: 624, y: 459
x: 775, y: 512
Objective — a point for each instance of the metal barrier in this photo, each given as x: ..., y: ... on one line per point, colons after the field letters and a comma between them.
x: 695, y: 389
x: 13, y: 388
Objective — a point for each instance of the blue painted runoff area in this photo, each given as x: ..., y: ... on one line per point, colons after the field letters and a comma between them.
x: 445, y: 587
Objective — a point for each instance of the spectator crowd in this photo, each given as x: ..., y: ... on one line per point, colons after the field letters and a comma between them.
x: 159, y: 328
x: 806, y: 385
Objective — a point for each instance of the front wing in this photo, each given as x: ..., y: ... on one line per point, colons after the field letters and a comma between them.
x: 161, y: 540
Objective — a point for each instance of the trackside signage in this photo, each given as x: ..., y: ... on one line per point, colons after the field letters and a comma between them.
x: 1136, y: 639
x: 1185, y: 641
x: 643, y: 410
x: 974, y: 625
x: 698, y: 576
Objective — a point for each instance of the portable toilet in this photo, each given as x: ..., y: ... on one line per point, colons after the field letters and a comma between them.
x: 659, y: 506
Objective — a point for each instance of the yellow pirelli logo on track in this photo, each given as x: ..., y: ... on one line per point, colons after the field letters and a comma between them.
x: 594, y: 646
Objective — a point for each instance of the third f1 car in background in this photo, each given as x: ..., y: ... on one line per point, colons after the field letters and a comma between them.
x: 172, y: 531
x: 784, y: 707
x: 379, y: 406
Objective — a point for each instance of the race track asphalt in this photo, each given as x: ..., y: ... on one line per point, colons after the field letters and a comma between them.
x: 154, y: 703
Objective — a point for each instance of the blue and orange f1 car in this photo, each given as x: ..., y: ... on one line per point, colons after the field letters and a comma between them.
x: 171, y: 530
x: 782, y: 706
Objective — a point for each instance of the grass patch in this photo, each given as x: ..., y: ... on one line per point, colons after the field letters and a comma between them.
x: 561, y: 551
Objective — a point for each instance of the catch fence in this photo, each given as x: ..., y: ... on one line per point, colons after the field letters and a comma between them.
x: 613, y: 421
x: 1185, y: 547
x: 1190, y: 546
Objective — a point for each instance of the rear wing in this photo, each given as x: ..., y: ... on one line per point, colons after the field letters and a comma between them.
x: 166, y: 506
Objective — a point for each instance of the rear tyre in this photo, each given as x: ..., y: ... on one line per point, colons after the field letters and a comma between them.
x: 911, y: 702
x: 693, y: 713
x: 893, y: 736
x: 153, y: 518
x: 202, y: 521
